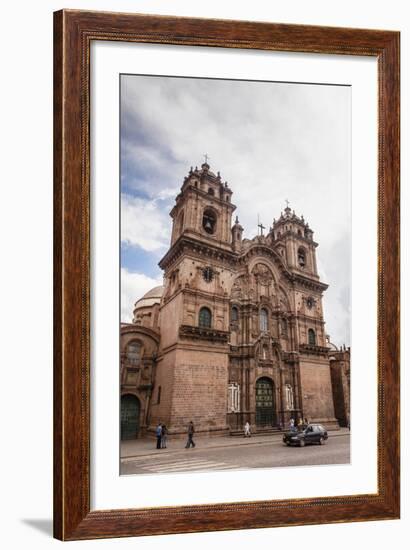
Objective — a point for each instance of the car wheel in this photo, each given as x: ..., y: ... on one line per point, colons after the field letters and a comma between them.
x: 322, y: 441
x: 302, y: 443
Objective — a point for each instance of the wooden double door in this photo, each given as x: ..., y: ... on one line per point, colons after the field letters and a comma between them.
x: 265, y: 403
x: 130, y: 416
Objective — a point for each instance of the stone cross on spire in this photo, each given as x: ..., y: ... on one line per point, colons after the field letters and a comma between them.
x: 260, y: 226
x: 206, y: 157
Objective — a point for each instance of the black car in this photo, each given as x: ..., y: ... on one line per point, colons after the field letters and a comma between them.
x: 312, y: 433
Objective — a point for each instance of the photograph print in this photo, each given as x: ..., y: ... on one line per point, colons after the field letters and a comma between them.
x: 235, y: 274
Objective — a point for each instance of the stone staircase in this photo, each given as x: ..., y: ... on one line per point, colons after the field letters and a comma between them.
x: 259, y: 431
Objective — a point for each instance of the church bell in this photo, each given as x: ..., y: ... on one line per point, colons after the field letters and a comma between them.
x: 208, y: 225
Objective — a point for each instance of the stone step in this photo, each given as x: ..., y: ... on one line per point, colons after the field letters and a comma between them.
x: 259, y: 431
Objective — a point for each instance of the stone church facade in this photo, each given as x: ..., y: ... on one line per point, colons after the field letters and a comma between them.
x: 236, y: 333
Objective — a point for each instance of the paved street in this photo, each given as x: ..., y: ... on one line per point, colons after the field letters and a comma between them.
x: 236, y: 453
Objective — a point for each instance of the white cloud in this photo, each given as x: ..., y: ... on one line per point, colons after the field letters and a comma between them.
x: 144, y: 224
x: 133, y: 287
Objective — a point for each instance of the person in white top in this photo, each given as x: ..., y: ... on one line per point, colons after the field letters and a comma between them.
x: 247, y: 430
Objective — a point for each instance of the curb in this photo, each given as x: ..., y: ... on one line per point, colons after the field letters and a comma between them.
x: 226, y: 445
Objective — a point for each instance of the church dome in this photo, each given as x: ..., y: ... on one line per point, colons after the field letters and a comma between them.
x: 330, y: 344
x: 150, y: 298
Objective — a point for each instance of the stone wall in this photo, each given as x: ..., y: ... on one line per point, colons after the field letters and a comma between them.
x: 200, y: 388
x: 317, y: 396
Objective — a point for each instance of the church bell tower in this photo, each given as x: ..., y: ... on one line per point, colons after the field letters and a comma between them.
x: 192, y: 366
x: 203, y: 208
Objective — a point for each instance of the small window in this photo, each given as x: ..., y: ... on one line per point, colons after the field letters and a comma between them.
x: 234, y: 314
x: 311, y: 337
x: 211, y: 191
x: 263, y: 320
x: 159, y: 395
x: 205, y: 317
x: 284, y: 327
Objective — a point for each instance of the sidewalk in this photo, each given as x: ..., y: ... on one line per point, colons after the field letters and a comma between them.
x: 147, y: 446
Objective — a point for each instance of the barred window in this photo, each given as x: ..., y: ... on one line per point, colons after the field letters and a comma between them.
x: 205, y: 317
x: 134, y: 353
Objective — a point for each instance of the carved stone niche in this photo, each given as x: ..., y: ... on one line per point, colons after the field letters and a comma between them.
x: 233, y: 375
x: 262, y: 274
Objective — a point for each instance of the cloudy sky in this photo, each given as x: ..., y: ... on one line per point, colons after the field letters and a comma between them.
x: 270, y: 141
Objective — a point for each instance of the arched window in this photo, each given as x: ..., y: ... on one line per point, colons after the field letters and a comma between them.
x: 211, y: 191
x: 205, y: 317
x: 301, y: 257
x: 209, y: 221
x: 284, y: 327
x: 234, y: 314
x: 263, y: 320
x: 311, y: 337
x: 133, y: 352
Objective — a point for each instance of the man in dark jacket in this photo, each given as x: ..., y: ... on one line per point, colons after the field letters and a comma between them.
x: 191, y: 431
x: 158, y: 433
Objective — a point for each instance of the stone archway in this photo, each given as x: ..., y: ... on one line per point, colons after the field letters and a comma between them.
x: 265, y: 403
x: 130, y: 417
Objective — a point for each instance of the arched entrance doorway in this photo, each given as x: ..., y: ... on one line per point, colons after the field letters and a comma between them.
x: 265, y: 403
x: 130, y: 416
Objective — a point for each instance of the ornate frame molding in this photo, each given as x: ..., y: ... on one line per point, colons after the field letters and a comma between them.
x: 73, y: 33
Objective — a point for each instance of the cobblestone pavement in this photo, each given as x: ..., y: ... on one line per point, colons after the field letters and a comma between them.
x: 266, y: 453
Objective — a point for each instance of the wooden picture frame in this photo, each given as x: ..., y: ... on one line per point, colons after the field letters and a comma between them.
x: 74, y: 32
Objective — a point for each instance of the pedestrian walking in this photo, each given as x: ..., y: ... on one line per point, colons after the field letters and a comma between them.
x: 247, y: 430
x: 191, y: 431
x: 158, y: 433
x: 291, y: 424
x: 164, y: 436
